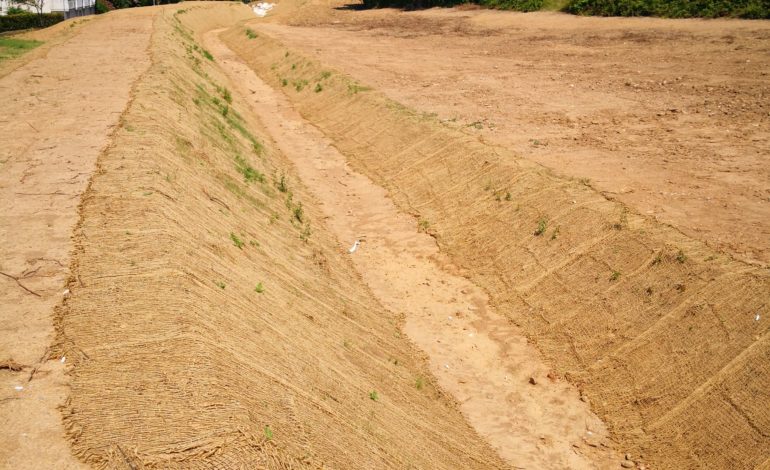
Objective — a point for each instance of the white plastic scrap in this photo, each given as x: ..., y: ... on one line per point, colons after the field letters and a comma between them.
x: 354, y: 247
x: 262, y: 8
x: 63, y: 358
x: 756, y: 318
x: 18, y: 388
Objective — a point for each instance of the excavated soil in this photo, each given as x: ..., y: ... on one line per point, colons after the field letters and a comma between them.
x: 670, y: 117
x: 666, y: 337
x: 561, y: 223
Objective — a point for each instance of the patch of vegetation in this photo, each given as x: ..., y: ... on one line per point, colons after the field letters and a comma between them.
x: 325, y: 74
x: 423, y: 225
x: 555, y: 233
x: 756, y: 9
x: 207, y: 55
x: 681, y: 257
x: 250, y: 33
x: 268, y: 432
x: 752, y: 9
x: 299, y: 85
x: 373, y: 395
x: 542, y: 225
x: 284, y: 82
x: 419, y: 383
x: 304, y: 235
x: 11, y: 47
x: 250, y: 174
x: 220, y: 284
x: 318, y: 88
x: 282, y: 187
x: 354, y: 88
x: 236, y: 241
x: 614, y: 276
x: 260, y: 288
x: 298, y: 212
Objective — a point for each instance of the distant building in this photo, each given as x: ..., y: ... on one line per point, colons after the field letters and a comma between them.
x: 69, y: 8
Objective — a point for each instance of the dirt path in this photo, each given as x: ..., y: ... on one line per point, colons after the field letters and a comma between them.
x: 57, y: 116
x: 476, y: 354
x: 668, y: 116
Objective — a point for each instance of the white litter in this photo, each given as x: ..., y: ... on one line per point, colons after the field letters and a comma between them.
x: 262, y: 8
x: 354, y: 247
x: 18, y: 388
x: 66, y: 293
x: 756, y: 318
x: 62, y: 359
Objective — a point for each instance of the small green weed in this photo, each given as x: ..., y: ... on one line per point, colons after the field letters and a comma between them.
x: 318, y: 88
x: 284, y: 82
x: 300, y: 85
x: 423, y: 225
x: 260, y: 288
x: 236, y: 241
x: 681, y: 257
x: 325, y: 74
x: 614, y: 276
x: 373, y: 395
x: 555, y: 233
x: 542, y: 225
x: 268, y: 432
x: 298, y: 212
x: 282, y: 187
x: 250, y: 33
x: 419, y: 383
x: 220, y: 284
x: 354, y: 88
x: 207, y: 55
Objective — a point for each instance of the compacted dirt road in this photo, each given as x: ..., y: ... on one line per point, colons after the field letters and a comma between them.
x: 668, y: 116
x: 57, y: 115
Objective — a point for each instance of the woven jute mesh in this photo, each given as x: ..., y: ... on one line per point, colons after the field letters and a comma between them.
x: 659, y: 331
x: 177, y: 359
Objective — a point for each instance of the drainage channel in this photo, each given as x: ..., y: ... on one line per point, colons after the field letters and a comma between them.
x: 476, y: 354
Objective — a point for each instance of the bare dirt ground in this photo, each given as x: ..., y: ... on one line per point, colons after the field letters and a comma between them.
x: 670, y: 117
x: 54, y: 123
x: 476, y: 354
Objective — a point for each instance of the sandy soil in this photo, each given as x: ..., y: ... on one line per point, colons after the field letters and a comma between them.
x: 54, y: 123
x: 669, y: 117
x: 476, y: 354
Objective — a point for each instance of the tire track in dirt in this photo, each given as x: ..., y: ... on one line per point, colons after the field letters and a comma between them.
x: 475, y: 353
x: 58, y: 112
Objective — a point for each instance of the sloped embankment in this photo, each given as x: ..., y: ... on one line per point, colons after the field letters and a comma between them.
x: 667, y: 339
x: 211, y: 323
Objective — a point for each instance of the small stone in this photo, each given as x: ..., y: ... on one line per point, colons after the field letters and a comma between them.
x: 627, y: 464
x: 532, y: 381
x: 628, y: 456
